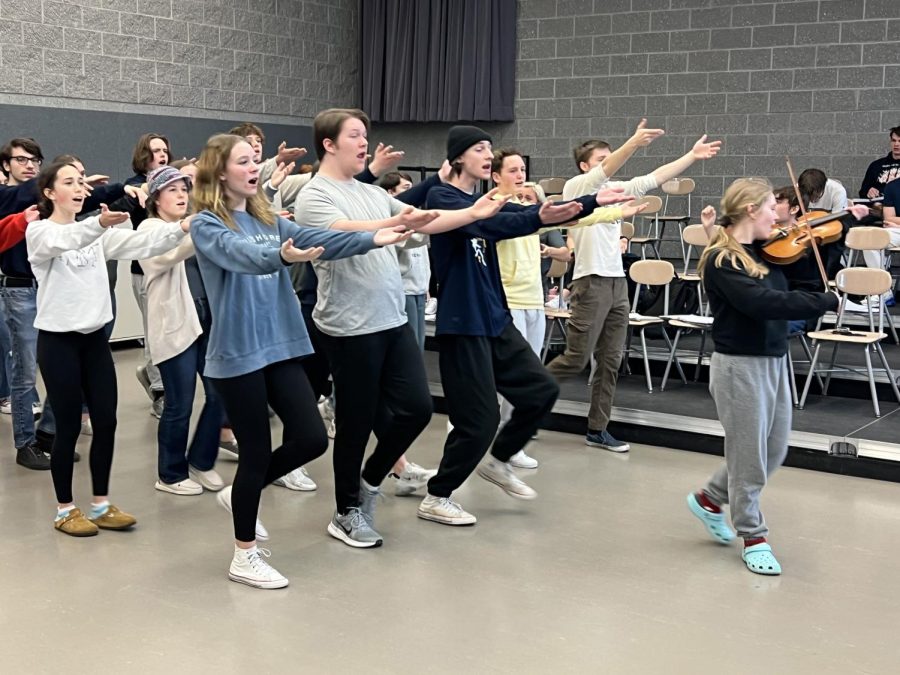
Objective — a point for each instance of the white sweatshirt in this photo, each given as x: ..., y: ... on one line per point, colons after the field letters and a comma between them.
x: 69, y: 263
x: 597, y: 249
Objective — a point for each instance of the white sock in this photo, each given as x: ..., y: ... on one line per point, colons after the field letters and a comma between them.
x: 63, y: 511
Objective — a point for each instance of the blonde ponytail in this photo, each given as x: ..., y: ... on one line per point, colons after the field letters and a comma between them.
x: 740, y: 194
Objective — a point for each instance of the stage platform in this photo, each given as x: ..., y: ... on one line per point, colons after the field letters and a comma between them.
x: 838, y: 433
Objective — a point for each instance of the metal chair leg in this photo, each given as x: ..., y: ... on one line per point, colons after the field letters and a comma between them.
x: 677, y: 362
x: 872, y: 383
x: 646, y: 362
x: 700, y: 355
x: 547, y: 340
x: 809, y: 377
x: 806, y: 350
x: 888, y: 371
x: 662, y: 387
x: 834, y: 352
x: 791, y: 381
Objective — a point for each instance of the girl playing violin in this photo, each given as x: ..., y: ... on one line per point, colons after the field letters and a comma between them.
x: 751, y: 306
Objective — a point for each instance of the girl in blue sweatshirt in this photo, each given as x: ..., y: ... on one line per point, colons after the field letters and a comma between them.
x: 258, y: 336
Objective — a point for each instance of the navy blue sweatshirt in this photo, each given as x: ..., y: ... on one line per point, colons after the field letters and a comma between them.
x: 16, y: 198
x: 471, y: 300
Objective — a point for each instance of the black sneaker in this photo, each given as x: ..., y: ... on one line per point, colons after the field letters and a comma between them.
x: 32, y: 457
x: 44, y: 442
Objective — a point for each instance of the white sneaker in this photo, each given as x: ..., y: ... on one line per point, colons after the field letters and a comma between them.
x: 87, y: 428
x: 211, y: 480
x: 229, y: 450
x: 501, y: 474
x: 412, y: 478
x: 522, y: 461
x: 224, y: 499
x: 326, y: 410
x: 37, y: 409
x: 431, y: 306
x: 298, y: 479
x: 444, y: 510
x: 6, y: 406
x: 248, y: 567
x: 330, y: 429
x: 182, y: 487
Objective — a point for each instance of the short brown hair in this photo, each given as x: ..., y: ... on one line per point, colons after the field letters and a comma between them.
x: 789, y: 195
x: 583, y: 152
x: 245, y: 129
x: 812, y: 184
x: 142, y: 155
x: 502, y: 154
x: 328, y: 125
x: 29, y: 145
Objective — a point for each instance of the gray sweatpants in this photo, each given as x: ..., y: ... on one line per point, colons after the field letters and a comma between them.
x: 753, y: 400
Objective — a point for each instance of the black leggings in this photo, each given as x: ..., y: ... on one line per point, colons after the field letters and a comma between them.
x: 380, y: 385
x: 316, y: 364
x: 282, y: 385
x: 72, y: 363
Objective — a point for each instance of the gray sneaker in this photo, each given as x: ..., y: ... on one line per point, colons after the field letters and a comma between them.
x: 353, y: 529
x: 156, y: 409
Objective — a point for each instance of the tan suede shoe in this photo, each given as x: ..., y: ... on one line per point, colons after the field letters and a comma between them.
x: 76, y: 525
x: 114, y: 519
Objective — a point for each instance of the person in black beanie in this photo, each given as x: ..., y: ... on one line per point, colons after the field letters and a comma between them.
x: 481, y: 352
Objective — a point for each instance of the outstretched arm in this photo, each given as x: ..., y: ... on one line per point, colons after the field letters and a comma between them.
x: 702, y: 150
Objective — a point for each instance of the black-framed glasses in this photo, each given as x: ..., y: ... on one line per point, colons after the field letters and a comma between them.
x: 22, y: 160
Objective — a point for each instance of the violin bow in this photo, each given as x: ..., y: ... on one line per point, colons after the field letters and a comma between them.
x: 809, y: 233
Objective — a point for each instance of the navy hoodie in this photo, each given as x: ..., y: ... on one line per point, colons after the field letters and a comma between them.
x: 471, y: 300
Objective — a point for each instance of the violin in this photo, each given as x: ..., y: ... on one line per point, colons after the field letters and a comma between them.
x: 789, y: 243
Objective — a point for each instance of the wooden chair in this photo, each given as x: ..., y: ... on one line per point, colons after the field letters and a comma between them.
x: 854, y: 281
x: 677, y: 187
x: 650, y: 273
x: 556, y: 316
x: 552, y: 186
x: 651, y: 215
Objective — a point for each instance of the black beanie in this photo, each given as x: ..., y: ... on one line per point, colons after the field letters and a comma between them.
x: 462, y: 137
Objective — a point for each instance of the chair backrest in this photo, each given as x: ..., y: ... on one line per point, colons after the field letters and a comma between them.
x: 862, y: 280
x: 652, y: 272
x: 868, y: 238
x: 558, y: 268
x: 627, y: 229
x: 678, y: 186
x: 553, y: 186
x: 654, y: 204
x: 695, y: 235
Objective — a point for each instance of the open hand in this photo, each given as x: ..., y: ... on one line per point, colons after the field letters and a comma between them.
x: 31, y: 214
x: 97, y: 179
x: 859, y: 211
x: 488, y: 205
x: 705, y: 150
x: 552, y: 213
x: 282, y: 172
x: 286, y: 155
x: 392, y: 235
x: 385, y: 159
x: 412, y: 218
x: 607, y: 196
x: 643, y: 136
x: 111, y: 218
x: 292, y: 254
x: 631, y: 210
x: 137, y: 193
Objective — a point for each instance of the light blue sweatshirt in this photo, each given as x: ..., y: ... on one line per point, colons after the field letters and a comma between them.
x: 256, y: 317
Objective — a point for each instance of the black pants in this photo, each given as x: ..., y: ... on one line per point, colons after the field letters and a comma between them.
x: 72, y: 363
x: 474, y: 369
x: 380, y: 385
x: 316, y: 364
x: 247, y: 398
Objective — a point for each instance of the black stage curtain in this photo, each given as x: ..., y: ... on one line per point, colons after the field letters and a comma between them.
x: 438, y: 60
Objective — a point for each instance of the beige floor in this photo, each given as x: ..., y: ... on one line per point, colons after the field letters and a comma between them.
x: 605, y: 573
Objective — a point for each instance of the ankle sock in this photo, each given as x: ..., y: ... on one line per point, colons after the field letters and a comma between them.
x: 707, y: 503
x: 98, y: 510
x: 63, y: 511
x: 753, y: 541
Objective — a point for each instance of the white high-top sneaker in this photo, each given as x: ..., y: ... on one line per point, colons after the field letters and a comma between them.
x: 249, y: 567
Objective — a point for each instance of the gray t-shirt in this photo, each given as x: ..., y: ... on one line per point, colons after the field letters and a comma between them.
x: 362, y: 294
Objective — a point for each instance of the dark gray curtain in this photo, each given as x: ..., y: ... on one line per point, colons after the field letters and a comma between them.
x: 438, y: 60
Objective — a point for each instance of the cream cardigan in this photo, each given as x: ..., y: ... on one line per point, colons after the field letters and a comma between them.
x: 172, y: 322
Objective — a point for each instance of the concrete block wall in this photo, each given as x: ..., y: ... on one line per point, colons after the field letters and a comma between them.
x: 818, y: 79
x: 275, y: 60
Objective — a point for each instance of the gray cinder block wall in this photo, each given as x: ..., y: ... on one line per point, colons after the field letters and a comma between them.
x: 272, y: 60
x: 819, y: 80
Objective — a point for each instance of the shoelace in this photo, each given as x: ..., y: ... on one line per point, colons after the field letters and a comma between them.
x: 451, y: 505
x: 257, y: 564
x: 358, y: 519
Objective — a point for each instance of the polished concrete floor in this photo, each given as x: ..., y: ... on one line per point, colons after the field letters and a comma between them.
x: 607, y: 572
